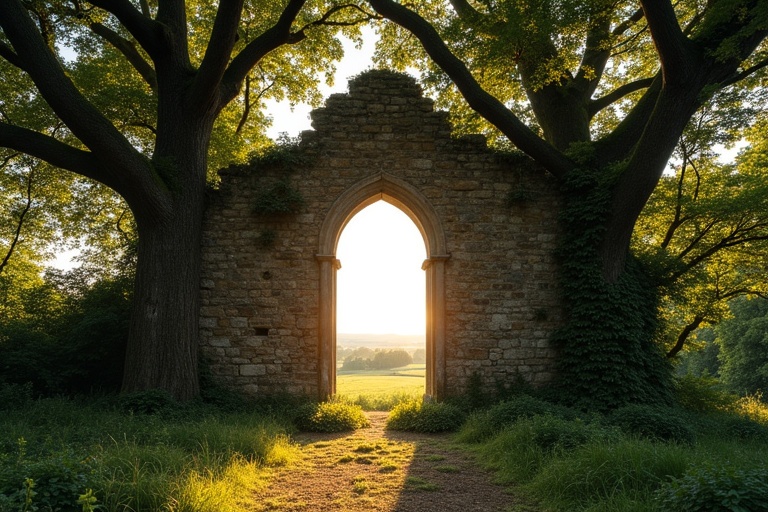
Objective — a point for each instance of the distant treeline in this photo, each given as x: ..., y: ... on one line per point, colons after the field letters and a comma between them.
x: 363, y: 358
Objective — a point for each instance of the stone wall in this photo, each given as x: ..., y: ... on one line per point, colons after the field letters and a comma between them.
x: 494, y: 217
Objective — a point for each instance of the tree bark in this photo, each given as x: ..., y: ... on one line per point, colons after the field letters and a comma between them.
x: 163, y: 337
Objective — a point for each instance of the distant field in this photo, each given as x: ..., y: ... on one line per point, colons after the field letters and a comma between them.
x: 408, y: 379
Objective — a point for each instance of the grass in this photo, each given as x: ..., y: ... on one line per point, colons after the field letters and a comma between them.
x: 381, y: 390
x: 88, y: 457
x: 571, y: 464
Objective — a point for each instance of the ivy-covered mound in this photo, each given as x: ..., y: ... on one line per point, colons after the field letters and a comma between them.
x: 608, y: 355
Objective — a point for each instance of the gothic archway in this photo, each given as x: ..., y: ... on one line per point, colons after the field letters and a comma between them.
x: 408, y: 199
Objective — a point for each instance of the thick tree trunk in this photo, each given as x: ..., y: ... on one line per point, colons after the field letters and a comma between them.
x: 163, y: 337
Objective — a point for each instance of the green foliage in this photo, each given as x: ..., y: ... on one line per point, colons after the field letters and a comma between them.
x: 60, y: 455
x: 484, y: 424
x: 335, y: 416
x: 653, y: 422
x: 703, y: 394
x: 597, y: 472
x: 146, y: 402
x: 279, y: 198
x: 743, y: 344
x: 46, y: 481
x: 570, y: 464
x: 715, y: 488
x: 74, y: 342
x: 608, y: 355
x: 429, y: 417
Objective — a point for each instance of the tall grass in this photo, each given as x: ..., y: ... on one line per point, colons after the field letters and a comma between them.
x: 183, y: 459
x: 569, y: 464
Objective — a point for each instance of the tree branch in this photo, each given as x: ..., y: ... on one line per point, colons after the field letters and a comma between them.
x: 51, y: 150
x: 671, y: 44
x: 8, y: 54
x: 602, y: 102
x: 683, y: 336
x: 478, y: 99
x: 218, y: 52
x: 465, y: 10
x: 276, y: 36
x: 128, y: 49
x: 80, y: 116
x: 325, y: 19
x: 140, y: 25
x: 594, y: 58
x: 745, y: 73
x: 17, y: 232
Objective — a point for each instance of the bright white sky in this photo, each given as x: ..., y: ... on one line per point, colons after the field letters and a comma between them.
x: 381, y: 287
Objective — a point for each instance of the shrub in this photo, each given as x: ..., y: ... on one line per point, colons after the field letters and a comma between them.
x: 147, y: 402
x: 653, y: 422
x: 15, y: 396
x: 739, y: 427
x: 331, y: 417
x: 716, y: 488
x: 703, y: 394
x: 428, y: 417
x: 51, y: 481
x: 553, y: 433
x: 483, y: 425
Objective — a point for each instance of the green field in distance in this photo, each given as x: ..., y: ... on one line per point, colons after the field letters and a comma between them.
x: 407, y: 379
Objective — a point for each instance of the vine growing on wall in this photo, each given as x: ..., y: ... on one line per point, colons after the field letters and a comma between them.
x: 608, y: 351
x: 280, y: 197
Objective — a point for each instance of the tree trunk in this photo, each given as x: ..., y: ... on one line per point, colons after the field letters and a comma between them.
x: 162, y: 350
x: 163, y: 337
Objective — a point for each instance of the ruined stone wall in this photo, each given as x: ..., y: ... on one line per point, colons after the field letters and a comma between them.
x: 260, y: 285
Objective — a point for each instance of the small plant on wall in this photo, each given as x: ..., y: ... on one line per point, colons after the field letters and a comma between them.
x: 280, y: 198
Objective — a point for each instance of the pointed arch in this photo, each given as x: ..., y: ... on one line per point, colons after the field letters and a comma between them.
x: 408, y: 199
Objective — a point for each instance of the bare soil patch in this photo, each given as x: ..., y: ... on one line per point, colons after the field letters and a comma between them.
x: 378, y: 470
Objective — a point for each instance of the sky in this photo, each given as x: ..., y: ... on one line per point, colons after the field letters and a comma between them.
x: 381, y: 288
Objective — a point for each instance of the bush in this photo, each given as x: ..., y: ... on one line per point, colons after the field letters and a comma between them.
x: 51, y: 481
x: 717, y: 488
x: 427, y: 417
x: 331, y: 417
x: 728, y: 425
x: 15, y: 396
x: 653, y: 422
x: 483, y: 425
x: 703, y: 394
x: 152, y: 401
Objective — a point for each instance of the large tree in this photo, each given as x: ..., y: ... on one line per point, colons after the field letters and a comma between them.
x: 146, y: 132
x: 598, y: 93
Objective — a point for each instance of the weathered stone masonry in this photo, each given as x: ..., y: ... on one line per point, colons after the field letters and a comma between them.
x: 489, y: 222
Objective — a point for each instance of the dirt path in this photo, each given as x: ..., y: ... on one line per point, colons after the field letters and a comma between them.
x: 377, y: 470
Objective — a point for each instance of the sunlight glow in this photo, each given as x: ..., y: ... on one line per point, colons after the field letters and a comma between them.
x: 380, y: 286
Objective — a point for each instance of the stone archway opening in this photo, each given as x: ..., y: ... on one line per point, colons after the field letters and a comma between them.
x: 381, y: 310
x: 417, y: 208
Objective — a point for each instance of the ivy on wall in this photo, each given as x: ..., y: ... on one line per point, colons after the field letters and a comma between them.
x: 608, y: 351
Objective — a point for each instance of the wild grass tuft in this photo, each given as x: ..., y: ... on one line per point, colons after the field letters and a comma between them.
x: 79, y: 456
x: 428, y: 417
x: 333, y: 416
